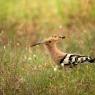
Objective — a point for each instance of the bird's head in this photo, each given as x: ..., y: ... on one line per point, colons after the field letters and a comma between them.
x: 51, y: 40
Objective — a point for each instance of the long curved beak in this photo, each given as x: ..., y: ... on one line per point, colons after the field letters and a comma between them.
x: 38, y: 43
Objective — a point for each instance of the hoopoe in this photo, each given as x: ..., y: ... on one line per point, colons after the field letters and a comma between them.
x: 60, y: 58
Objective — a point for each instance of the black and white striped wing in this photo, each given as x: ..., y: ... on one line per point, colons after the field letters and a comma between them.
x: 74, y: 59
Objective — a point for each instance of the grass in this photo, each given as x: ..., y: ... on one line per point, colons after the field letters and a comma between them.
x: 29, y: 71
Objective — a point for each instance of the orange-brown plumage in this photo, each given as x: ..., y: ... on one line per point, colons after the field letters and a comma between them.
x: 60, y: 58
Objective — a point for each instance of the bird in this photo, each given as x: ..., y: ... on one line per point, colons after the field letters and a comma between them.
x: 60, y: 58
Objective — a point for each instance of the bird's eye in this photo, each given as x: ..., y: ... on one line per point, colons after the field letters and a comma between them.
x: 49, y: 41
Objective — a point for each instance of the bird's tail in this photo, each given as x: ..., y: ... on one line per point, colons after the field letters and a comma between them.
x: 90, y: 59
x: 83, y: 59
x: 80, y: 59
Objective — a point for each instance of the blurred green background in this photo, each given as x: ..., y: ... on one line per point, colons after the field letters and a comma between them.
x: 29, y: 71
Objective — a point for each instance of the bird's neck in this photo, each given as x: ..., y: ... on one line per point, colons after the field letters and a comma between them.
x: 56, y: 54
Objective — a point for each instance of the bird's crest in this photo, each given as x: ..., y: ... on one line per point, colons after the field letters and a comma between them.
x: 55, y: 38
